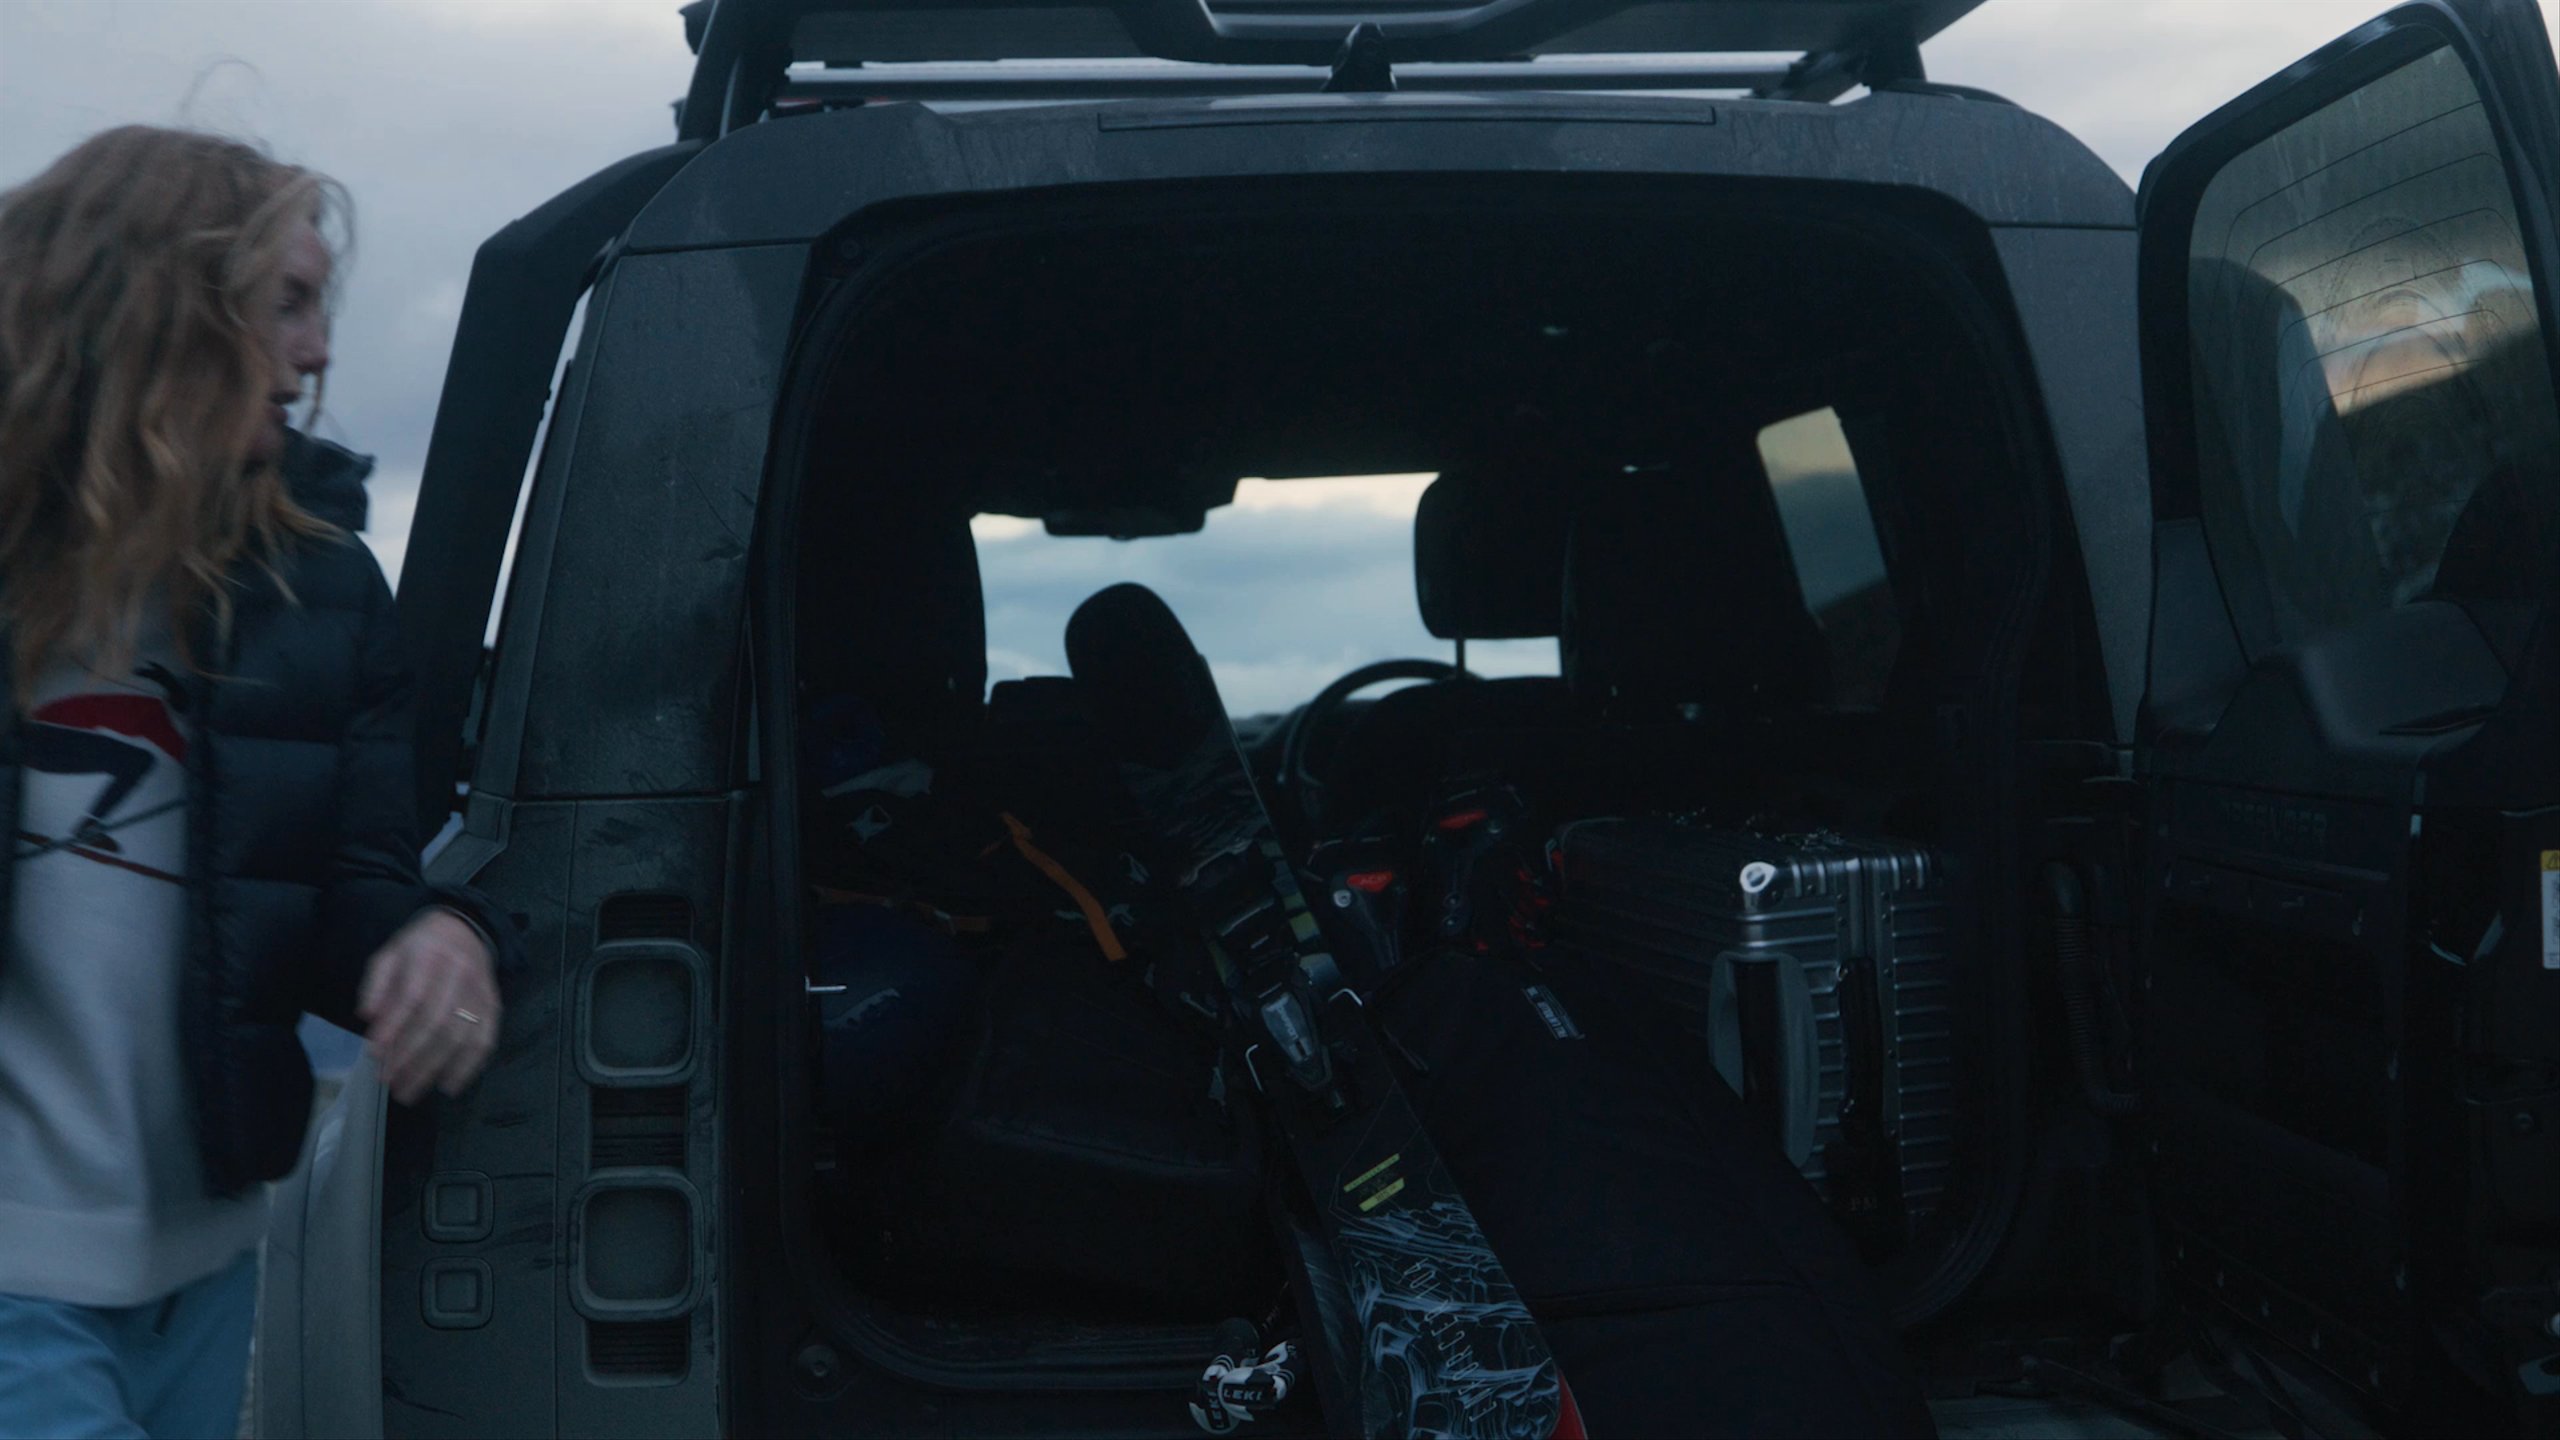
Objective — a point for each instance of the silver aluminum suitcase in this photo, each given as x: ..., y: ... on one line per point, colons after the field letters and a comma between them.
x: 1816, y: 971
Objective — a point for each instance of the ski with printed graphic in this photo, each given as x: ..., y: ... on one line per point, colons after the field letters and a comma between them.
x: 1446, y: 1345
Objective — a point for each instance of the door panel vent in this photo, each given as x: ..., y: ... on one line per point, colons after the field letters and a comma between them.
x: 644, y: 917
x: 637, y: 1020
x: 636, y: 1127
x: 640, y: 1351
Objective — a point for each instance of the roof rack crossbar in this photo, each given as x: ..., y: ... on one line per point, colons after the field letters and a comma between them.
x: 745, y: 48
x: 1889, y: 54
x: 1108, y: 80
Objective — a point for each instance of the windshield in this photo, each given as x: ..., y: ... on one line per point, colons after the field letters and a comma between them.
x: 1296, y: 583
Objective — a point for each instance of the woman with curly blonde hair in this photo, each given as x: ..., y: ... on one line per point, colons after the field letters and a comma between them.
x: 206, y: 749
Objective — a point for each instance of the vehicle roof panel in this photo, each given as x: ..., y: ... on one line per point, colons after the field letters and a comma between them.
x: 796, y: 179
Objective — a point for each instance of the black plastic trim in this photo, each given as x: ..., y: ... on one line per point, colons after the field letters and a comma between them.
x: 697, y: 972
x: 525, y: 283
x: 698, y: 1258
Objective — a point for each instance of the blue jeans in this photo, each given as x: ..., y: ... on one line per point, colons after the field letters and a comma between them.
x: 170, y: 1369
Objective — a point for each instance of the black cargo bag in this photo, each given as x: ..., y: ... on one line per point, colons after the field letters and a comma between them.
x: 1090, y: 1152
x: 895, y: 999
x: 1687, y: 1277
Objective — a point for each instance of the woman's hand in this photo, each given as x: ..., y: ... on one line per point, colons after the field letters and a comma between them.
x: 430, y: 1006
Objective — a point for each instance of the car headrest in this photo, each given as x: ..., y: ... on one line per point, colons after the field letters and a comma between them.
x: 898, y: 618
x: 1679, y: 590
x: 1488, y: 556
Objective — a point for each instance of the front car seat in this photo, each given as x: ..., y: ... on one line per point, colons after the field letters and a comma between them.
x: 1488, y: 564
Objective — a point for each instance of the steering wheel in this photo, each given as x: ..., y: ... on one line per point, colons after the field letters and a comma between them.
x: 1300, y: 741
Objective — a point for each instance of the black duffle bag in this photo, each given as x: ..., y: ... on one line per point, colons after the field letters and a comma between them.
x: 1092, y: 1150
x: 1687, y: 1277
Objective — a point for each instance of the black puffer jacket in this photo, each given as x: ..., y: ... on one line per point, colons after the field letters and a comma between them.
x: 302, y: 844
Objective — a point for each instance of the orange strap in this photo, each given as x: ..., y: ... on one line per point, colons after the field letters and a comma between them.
x: 1094, y: 918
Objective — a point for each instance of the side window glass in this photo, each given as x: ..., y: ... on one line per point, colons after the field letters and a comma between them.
x: 2374, y: 410
x: 1831, y: 534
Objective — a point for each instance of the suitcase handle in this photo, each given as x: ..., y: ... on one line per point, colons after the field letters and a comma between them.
x: 1760, y: 1032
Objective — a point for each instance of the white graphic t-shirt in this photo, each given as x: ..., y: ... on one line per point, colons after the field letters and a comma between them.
x: 101, y: 1193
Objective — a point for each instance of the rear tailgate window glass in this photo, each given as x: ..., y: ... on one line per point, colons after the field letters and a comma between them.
x: 2375, y: 414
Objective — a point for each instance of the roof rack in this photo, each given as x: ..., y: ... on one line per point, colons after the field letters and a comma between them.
x: 1125, y: 79
x: 754, y: 54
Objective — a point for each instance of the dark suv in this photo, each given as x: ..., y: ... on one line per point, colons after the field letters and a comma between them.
x: 2172, y: 567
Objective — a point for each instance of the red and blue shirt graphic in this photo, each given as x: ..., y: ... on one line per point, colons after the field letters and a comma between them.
x: 106, y: 776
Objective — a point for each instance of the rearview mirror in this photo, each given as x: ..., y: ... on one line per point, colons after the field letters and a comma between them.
x: 1127, y: 522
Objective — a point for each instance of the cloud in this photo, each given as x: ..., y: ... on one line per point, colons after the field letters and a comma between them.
x: 446, y: 120
x: 2126, y: 76
x: 394, y: 495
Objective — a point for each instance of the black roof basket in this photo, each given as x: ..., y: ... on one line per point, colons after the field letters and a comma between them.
x: 751, y: 54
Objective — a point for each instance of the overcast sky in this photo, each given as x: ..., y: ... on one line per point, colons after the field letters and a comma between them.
x: 447, y: 118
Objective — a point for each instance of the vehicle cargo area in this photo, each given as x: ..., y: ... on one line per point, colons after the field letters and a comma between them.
x: 1731, y: 774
